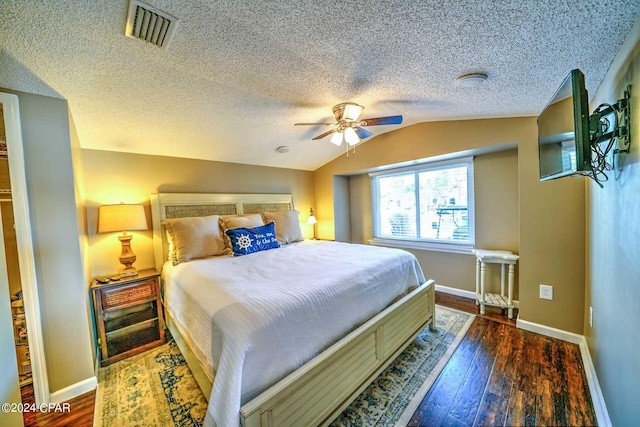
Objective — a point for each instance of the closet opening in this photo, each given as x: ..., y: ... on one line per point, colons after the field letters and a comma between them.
x: 12, y: 262
x: 20, y: 317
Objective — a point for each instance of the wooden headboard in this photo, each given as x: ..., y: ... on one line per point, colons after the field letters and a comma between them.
x: 183, y: 205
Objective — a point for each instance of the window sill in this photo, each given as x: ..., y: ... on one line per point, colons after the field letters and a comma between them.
x: 424, y: 246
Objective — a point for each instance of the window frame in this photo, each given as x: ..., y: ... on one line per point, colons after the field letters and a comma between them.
x: 442, y: 245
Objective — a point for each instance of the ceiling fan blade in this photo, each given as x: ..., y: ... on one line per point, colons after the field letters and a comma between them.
x: 322, y: 135
x: 389, y: 120
x: 362, y: 133
x: 313, y: 124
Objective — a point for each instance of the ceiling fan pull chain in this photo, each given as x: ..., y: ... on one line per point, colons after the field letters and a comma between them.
x: 347, y: 146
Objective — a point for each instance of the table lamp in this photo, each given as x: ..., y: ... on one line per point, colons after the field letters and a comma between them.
x: 123, y: 218
x: 312, y: 220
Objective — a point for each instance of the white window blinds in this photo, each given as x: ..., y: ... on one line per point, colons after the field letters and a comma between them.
x: 429, y: 203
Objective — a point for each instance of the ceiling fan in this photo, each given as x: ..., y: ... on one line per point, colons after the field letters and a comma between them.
x: 348, y: 127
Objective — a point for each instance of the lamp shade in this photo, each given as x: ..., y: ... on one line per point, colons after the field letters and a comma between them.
x: 352, y: 111
x: 312, y: 217
x: 121, y: 218
x: 337, y: 138
x: 351, y: 136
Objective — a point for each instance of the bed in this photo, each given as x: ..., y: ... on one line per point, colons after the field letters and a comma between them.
x: 294, y: 348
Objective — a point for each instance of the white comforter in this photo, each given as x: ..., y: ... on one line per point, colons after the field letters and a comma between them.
x: 255, y: 318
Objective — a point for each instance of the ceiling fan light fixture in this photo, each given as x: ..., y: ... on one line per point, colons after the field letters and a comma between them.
x: 350, y: 136
x: 352, y: 111
x: 337, y: 138
x: 348, y: 127
x: 471, y: 80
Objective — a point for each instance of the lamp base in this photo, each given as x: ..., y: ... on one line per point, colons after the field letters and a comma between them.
x: 128, y: 272
x: 127, y: 257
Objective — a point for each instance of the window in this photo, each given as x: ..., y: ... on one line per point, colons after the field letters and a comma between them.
x: 425, y: 207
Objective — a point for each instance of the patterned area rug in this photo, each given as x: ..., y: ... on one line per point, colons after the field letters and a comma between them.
x: 156, y: 388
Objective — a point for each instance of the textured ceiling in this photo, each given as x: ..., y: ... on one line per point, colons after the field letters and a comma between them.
x: 238, y: 74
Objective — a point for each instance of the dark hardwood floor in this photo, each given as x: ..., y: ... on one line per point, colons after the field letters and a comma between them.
x: 79, y: 415
x: 504, y: 376
x: 498, y: 376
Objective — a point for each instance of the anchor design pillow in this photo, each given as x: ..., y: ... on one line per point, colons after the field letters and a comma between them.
x: 246, y: 241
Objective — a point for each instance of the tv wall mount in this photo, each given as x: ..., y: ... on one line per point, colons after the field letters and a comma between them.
x: 609, y: 127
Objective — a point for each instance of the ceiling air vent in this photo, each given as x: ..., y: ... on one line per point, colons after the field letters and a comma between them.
x: 149, y: 24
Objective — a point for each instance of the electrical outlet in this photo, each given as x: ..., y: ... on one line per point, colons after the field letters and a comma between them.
x: 546, y: 292
x: 591, y: 317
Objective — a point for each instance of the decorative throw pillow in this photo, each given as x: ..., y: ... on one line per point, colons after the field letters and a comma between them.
x: 249, y: 240
x: 287, y: 226
x: 245, y: 221
x: 195, y: 237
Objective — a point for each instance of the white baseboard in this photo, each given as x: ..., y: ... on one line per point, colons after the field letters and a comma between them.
x: 594, y: 386
x: 73, y: 390
x: 549, y: 331
x: 597, y: 398
x: 456, y: 291
x: 463, y: 293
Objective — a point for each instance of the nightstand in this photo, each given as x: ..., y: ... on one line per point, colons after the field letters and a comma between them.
x: 128, y: 315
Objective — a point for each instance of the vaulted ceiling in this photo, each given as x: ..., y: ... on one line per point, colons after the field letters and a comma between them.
x: 238, y: 74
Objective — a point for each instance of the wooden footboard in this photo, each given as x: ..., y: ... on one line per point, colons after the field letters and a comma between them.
x: 319, y: 391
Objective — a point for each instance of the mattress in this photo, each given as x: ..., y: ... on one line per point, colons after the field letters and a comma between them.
x: 254, y: 319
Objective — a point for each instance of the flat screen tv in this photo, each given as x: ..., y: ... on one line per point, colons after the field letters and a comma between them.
x: 563, y: 131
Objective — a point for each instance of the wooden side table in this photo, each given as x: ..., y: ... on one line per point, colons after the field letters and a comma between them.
x: 483, y: 298
x: 128, y: 315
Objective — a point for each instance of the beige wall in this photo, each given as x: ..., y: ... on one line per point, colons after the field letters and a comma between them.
x: 111, y: 177
x: 542, y: 210
x: 496, y: 200
x: 81, y: 215
x: 62, y: 289
x: 360, y: 208
x: 613, y: 279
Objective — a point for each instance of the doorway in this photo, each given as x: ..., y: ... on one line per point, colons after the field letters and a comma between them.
x: 18, y: 317
x: 17, y: 241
